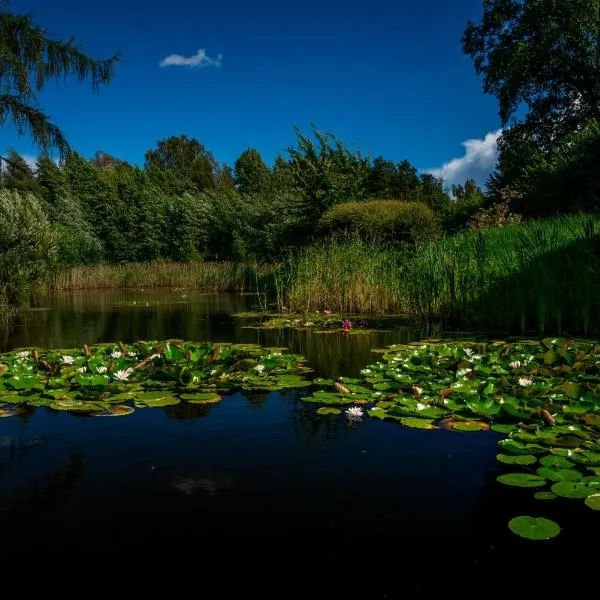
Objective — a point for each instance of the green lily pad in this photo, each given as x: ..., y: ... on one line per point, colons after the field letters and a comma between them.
x: 553, y: 474
x: 328, y: 410
x: 593, y: 501
x: 155, y: 399
x: 534, y: 528
x: 572, y: 489
x: 556, y: 461
x: 521, y: 480
x: 73, y: 405
x: 201, y: 398
x: 544, y: 495
x: 115, y: 410
x: 516, y: 459
x: 503, y: 427
x: 416, y: 423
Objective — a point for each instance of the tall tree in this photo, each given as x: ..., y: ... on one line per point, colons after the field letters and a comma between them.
x: 17, y: 174
x: 251, y: 173
x: 544, y: 54
x: 379, y: 179
x: 29, y: 59
x: 186, y: 158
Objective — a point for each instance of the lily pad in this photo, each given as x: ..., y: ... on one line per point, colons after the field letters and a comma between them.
x: 556, y: 461
x: 544, y: 495
x: 155, y: 399
x: 521, y: 480
x: 553, y: 474
x: 571, y: 489
x: 416, y: 423
x: 516, y: 459
x: 328, y: 410
x: 115, y: 410
x: 201, y: 398
x: 593, y: 501
x: 534, y: 528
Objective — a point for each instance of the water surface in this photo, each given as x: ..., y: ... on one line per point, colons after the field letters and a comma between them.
x: 259, y: 479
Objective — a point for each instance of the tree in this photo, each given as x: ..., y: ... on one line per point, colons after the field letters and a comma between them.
x: 186, y: 158
x: 544, y: 54
x: 17, y: 174
x: 251, y: 173
x: 29, y: 59
x: 379, y: 179
x: 405, y: 182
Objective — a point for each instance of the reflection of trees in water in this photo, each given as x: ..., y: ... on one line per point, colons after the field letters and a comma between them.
x: 44, y: 496
x: 188, y: 410
x: 110, y: 315
x: 312, y: 426
x: 12, y: 450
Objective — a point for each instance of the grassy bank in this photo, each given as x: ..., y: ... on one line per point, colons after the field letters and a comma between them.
x: 539, y: 275
x: 213, y: 276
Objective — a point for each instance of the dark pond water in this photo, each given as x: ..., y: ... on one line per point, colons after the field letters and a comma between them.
x: 316, y: 507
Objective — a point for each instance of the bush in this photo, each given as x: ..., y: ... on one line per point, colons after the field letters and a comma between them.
x: 27, y: 245
x: 383, y: 221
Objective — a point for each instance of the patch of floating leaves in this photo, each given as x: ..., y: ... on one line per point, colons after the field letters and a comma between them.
x: 112, y: 379
x: 543, y: 394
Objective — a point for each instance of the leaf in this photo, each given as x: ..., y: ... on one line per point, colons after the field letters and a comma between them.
x: 519, y: 459
x: 201, y: 398
x: 521, y: 480
x: 534, y: 528
x: 593, y: 501
x: 544, y: 495
x: 570, y: 489
x: 115, y: 410
x: 155, y: 399
x: 327, y: 410
x: 556, y: 461
x: 553, y: 474
x: 503, y: 427
x: 417, y: 423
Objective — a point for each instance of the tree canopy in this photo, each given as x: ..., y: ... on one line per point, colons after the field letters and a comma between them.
x: 29, y: 59
x: 543, y: 55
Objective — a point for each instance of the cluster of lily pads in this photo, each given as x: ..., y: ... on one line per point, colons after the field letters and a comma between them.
x: 114, y: 379
x: 317, y: 322
x: 545, y: 395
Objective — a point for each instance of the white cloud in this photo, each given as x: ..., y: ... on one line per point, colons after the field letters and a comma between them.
x: 199, y: 60
x: 477, y: 163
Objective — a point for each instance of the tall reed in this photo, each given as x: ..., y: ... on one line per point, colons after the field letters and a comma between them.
x: 344, y: 276
x: 215, y: 276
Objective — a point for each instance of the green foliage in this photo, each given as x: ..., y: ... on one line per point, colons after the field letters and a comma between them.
x: 187, y: 159
x: 29, y: 59
x: 383, y: 220
x: 344, y: 276
x: 252, y: 176
x: 326, y: 171
x: 27, y: 245
x: 543, y: 54
x: 17, y: 174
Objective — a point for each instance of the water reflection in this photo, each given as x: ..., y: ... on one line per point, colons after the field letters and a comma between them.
x: 208, y: 486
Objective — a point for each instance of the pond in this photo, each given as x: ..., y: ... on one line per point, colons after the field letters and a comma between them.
x: 260, y: 479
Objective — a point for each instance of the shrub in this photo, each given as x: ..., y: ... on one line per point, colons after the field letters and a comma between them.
x: 383, y: 220
x: 27, y: 244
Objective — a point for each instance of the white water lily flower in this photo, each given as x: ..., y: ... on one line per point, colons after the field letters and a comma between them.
x: 213, y: 371
x: 116, y: 354
x: 525, y: 381
x: 515, y: 364
x: 355, y: 412
x: 132, y: 354
x: 259, y: 368
x: 123, y: 375
x: 421, y: 406
x: 68, y: 360
x: 23, y: 354
x: 101, y: 369
x: 82, y: 369
x: 469, y: 351
x: 417, y: 390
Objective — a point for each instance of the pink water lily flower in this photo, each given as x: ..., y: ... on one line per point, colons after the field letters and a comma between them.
x: 346, y: 325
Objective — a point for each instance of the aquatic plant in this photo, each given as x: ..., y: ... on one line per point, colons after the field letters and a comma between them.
x: 109, y: 379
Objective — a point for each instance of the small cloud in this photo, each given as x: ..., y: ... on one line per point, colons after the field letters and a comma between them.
x: 478, y: 162
x: 199, y: 60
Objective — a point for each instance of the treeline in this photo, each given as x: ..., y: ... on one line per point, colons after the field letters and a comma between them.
x: 182, y: 205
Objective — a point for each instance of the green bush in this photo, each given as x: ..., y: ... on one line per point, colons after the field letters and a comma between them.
x: 27, y: 245
x: 383, y: 221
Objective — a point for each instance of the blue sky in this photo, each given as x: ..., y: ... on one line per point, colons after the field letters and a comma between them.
x: 388, y: 78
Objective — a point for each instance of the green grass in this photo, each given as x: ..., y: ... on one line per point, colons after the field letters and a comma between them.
x: 539, y: 275
x: 343, y: 276
x: 214, y: 276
